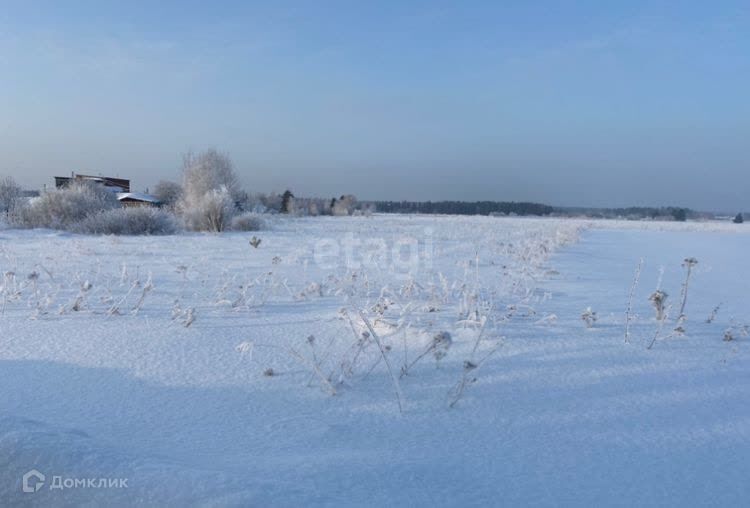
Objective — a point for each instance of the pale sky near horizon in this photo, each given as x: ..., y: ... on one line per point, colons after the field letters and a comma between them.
x: 584, y: 103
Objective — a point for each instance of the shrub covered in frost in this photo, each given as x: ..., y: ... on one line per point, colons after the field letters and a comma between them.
x: 134, y: 220
x: 10, y: 194
x: 247, y: 222
x: 63, y: 208
x: 212, y: 211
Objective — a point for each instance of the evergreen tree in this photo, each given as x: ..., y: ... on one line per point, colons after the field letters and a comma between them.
x: 679, y: 214
x: 738, y: 219
x: 286, y: 201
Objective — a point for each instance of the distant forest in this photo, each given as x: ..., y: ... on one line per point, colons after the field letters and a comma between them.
x: 633, y: 213
x: 463, y: 207
x: 526, y: 208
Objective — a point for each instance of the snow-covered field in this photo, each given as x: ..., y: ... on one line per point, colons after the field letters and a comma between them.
x: 205, y: 371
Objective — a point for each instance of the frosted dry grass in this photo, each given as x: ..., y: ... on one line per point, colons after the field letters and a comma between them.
x: 482, y: 271
x: 481, y: 275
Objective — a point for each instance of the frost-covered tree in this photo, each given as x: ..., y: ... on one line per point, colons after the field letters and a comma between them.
x: 208, y: 171
x: 168, y: 192
x: 210, y: 191
x: 313, y: 208
x: 10, y: 193
x: 344, y: 205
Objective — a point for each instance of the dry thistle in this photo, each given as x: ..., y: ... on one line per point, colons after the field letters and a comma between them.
x: 189, y: 317
x: 589, y: 317
x: 659, y: 327
x: 688, y: 263
x: 659, y: 298
x: 79, y: 303
x: 440, y: 345
x: 734, y: 331
x: 636, y: 278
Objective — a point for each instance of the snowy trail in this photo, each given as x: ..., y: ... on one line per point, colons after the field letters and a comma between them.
x: 561, y: 415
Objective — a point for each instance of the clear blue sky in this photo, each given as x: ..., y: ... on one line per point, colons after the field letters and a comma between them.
x: 572, y: 103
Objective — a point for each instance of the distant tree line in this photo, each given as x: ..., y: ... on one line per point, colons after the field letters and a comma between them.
x: 633, y: 213
x: 673, y: 213
x: 463, y: 207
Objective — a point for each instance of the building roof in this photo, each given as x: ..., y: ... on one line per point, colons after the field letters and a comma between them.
x: 109, y: 183
x: 137, y: 196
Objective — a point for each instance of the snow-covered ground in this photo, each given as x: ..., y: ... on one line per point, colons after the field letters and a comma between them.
x: 147, y: 359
